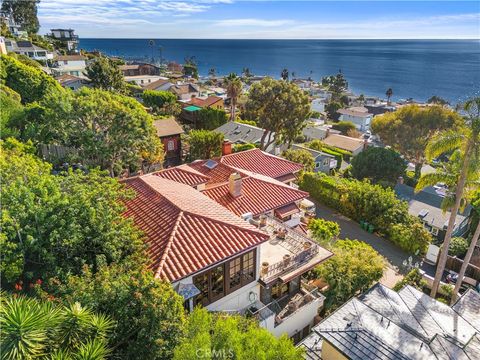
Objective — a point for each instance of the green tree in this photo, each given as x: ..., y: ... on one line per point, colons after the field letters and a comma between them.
x: 324, y: 231
x: 355, y: 267
x: 234, y: 88
x: 34, y: 329
x: 31, y: 83
x: 148, y: 313
x: 378, y: 165
x: 389, y: 94
x: 458, y: 246
x: 344, y: 127
x: 336, y: 84
x: 437, y: 100
x: 284, y: 75
x: 11, y: 111
x: 205, y: 144
x: 246, y: 73
x: 24, y: 13
x: 331, y: 109
x: 56, y: 225
x: 412, y: 237
x: 466, y: 140
x: 158, y: 100
x: 300, y: 156
x: 413, y: 278
x: 190, y: 67
x: 210, y: 118
x: 409, y: 129
x: 243, y: 147
x: 213, y: 336
x: 105, y: 74
x: 280, y: 108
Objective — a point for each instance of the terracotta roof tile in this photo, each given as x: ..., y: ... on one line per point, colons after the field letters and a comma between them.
x: 218, y: 175
x: 186, y: 231
x: 258, y: 196
x: 183, y: 175
x: 262, y: 163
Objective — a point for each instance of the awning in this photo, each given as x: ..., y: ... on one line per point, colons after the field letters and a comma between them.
x: 187, y: 291
x: 287, y: 210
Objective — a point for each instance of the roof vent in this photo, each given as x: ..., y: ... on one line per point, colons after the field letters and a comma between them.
x: 423, y: 213
x: 211, y: 164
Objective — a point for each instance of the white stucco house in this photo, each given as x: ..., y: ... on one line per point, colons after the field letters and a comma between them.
x: 69, y: 65
x: 357, y: 115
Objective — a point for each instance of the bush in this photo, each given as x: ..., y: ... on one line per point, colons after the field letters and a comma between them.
x: 210, y: 119
x: 157, y: 99
x: 205, y: 144
x: 378, y: 165
x: 243, y: 147
x: 300, y: 156
x: 361, y: 200
x: 413, y: 278
x: 246, y: 122
x: 458, y: 247
x: 324, y: 231
x: 344, y: 127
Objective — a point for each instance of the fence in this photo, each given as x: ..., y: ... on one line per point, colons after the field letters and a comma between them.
x: 473, y: 271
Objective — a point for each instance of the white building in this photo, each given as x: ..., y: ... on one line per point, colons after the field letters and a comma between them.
x: 69, y: 64
x: 26, y: 48
x: 318, y: 104
x: 357, y: 115
x: 68, y: 37
x: 143, y: 80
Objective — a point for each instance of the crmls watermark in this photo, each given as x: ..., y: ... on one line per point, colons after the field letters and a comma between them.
x: 214, y: 353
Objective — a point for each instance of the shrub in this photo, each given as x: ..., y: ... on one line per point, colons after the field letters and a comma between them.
x: 344, y: 127
x: 324, y: 231
x: 243, y: 147
x: 458, y: 247
x: 413, y: 278
x: 300, y: 156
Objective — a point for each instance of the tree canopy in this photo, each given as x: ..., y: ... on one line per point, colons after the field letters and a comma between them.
x: 409, y: 129
x: 215, y: 336
x: 379, y: 165
x: 344, y: 127
x: 300, y: 156
x: 355, y: 267
x: 105, y: 74
x: 205, y: 144
x: 336, y: 84
x: 280, y: 108
x: 24, y: 13
x: 234, y: 88
x: 324, y: 231
x: 210, y: 118
x: 159, y: 100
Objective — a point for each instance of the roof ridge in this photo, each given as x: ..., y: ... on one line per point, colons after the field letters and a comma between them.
x: 169, y: 244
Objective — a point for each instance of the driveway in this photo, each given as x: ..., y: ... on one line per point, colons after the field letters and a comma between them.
x: 352, y: 230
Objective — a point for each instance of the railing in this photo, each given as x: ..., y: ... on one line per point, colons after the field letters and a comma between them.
x: 285, y: 266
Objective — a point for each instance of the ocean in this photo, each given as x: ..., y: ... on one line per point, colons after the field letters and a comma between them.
x: 412, y: 68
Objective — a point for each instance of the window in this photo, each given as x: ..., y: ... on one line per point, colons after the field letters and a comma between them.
x: 317, y: 165
x: 326, y: 162
x: 224, y: 279
x: 435, y: 231
x: 279, y: 290
x: 170, y: 145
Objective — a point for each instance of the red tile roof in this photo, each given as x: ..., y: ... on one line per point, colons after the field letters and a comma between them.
x: 258, y: 196
x: 186, y: 231
x: 287, y: 210
x: 183, y: 174
x: 218, y: 175
x: 260, y: 162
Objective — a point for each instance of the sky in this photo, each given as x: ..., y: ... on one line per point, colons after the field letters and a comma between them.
x: 237, y: 19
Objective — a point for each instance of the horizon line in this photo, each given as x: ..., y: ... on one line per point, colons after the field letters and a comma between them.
x: 257, y: 39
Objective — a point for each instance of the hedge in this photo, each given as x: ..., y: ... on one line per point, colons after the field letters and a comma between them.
x: 361, y: 200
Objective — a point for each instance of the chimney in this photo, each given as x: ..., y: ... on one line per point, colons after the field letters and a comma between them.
x: 235, y: 184
x: 226, y: 147
x: 400, y: 180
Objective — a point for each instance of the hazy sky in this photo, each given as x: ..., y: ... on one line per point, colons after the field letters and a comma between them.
x: 263, y: 19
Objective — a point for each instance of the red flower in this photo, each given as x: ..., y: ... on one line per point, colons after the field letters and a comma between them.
x: 39, y: 282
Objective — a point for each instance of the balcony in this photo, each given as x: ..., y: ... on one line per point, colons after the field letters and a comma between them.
x: 288, y: 252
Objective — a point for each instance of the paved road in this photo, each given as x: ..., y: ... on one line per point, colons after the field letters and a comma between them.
x: 352, y: 230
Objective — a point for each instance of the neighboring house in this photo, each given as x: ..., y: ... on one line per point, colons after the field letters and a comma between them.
x: 357, y: 115
x: 323, y: 162
x: 380, y: 109
x: 143, y: 80
x: 318, y: 132
x: 318, y: 105
x: 426, y: 205
x: 185, y: 91
x: 169, y: 132
x: 238, y: 133
x: 14, y: 28
x: 406, y: 325
x: 139, y: 69
x: 354, y: 145
x: 174, y: 67
x: 263, y: 163
x: 219, y: 260
x: 66, y: 36
x: 23, y: 47
x: 72, y: 82
x: 213, y: 102
x: 69, y: 64
x: 159, y: 85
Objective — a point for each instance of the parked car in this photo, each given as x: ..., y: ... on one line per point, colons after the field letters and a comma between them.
x: 467, y: 283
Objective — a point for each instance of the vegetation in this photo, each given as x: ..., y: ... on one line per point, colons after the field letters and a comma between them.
x: 339, y: 154
x: 11, y: 111
x: 284, y: 75
x: 331, y: 109
x: 344, y: 126
x: 389, y: 94
x: 361, y: 200
x: 243, y: 147
x: 190, y: 67
x: 160, y: 101
x: 205, y: 144
x: 437, y: 100
x: 413, y: 278
x: 105, y: 74
x: 324, y: 231
x: 279, y: 107
x: 23, y: 12
x: 355, y: 267
x: 336, y: 84
x: 31, y: 83
x: 234, y: 87
x: 215, y: 336
x: 33, y: 329
x: 409, y: 129
x: 210, y: 118
x: 458, y: 247
x: 300, y: 156
x: 246, y: 122
x: 380, y: 165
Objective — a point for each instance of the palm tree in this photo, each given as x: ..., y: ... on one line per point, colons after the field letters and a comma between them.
x: 467, y: 141
x: 284, y: 74
x: 293, y: 74
x: 234, y: 89
x: 246, y: 73
x: 39, y: 329
x: 389, y: 94
x: 212, y: 73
